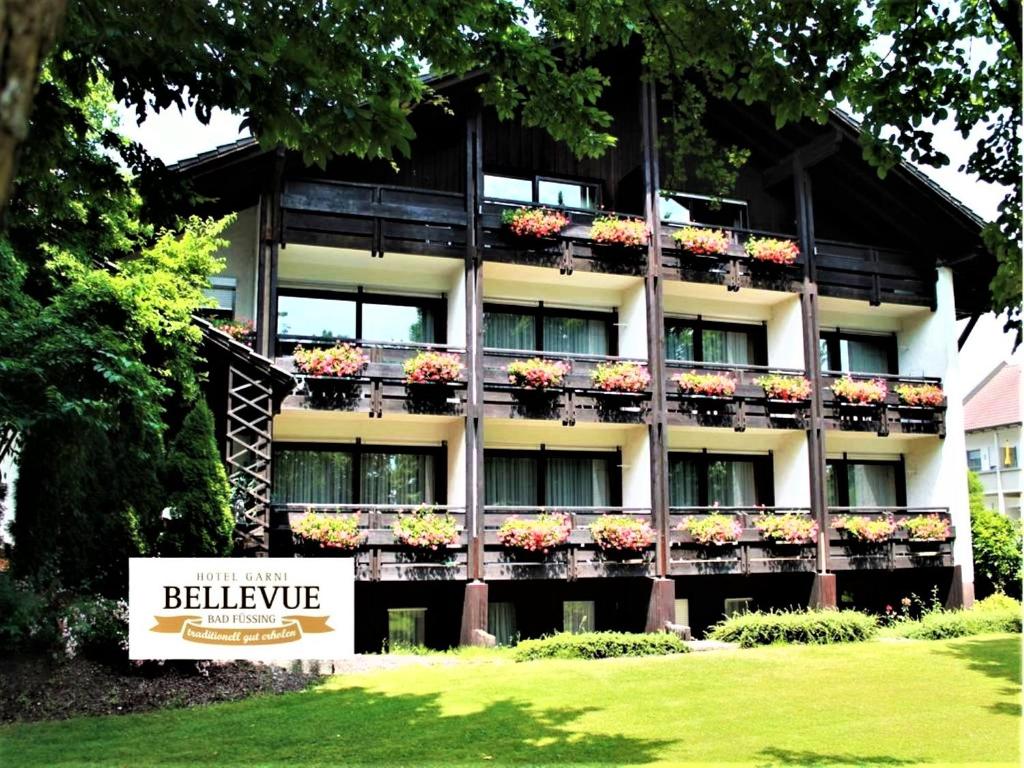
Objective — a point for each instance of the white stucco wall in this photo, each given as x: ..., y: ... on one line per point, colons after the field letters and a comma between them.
x: 456, y: 298
x: 633, y: 322
x: 457, y: 464
x: 1002, y: 484
x: 792, y: 471
x: 636, y: 469
x: 786, y: 334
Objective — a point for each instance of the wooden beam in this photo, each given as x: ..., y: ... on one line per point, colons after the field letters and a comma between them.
x: 967, y: 331
x: 805, y: 157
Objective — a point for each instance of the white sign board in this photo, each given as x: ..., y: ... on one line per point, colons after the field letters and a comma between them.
x: 241, y: 608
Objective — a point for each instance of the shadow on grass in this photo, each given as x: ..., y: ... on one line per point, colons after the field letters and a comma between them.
x: 352, y: 726
x: 802, y: 757
x: 997, y: 657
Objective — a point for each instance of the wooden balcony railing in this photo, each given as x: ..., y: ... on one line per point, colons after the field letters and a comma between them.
x: 885, y: 418
x: 748, y: 406
x: 575, y: 401
x: 373, y: 217
x: 380, y: 389
x: 751, y: 553
x: 579, y: 558
x: 901, y: 550
x: 573, y: 249
x: 382, y: 557
x: 856, y: 271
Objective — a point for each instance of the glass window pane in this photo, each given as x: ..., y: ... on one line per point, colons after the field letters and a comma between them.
x: 735, y: 606
x: 823, y: 355
x: 508, y: 188
x: 578, y: 616
x: 683, y: 482
x: 509, y: 330
x: 567, y: 194
x: 222, y: 291
x: 732, y: 484
x: 406, y: 627
x: 831, y: 485
x: 679, y: 343
x: 316, y: 318
x: 584, y: 336
x: 398, y: 478
x: 392, y: 322
x: 577, y: 482
x: 727, y: 347
x: 681, y: 209
x: 312, y: 477
x: 510, y: 481
x: 863, y: 356
x: 683, y: 611
x: 1009, y: 456
x: 871, y: 485
x: 501, y: 622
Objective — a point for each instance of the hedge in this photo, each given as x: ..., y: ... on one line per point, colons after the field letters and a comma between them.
x: 946, y: 624
x: 816, y: 627
x: 599, y: 645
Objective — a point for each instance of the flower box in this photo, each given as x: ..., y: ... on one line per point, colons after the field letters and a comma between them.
x: 332, y: 532
x: 620, y: 233
x: 426, y: 529
x: 768, y: 250
x: 714, y: 385
x: 537, y: 224
x: 541, y: 534
x: 850, y: 391
x: 239, y: 330
x: 702, y: 242
x: 621, y: 377
x: 340, y: 361
x: 920, y: 395
x: 433, y: 368
x: 927, y: 528
x: 867, y: 529
x: 537, y: 374
x: 716, y: 529
x: 787, y: 528
x: 788, y: 389
x: 622, y: 534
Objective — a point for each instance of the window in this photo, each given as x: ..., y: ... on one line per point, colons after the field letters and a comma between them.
x: 703, y: 341
x: 735, y: 606
x: 683, y: 611
x: 547, y: 329
x: 551, y: 478
x: 407, y: 627
x: 222, y: 290
x: 702, y: 480
x: 1009, y: 456
x: 974, y: 460
x: 357, y: 474
x: 578, y: 616
x: 501, y: 622
x: 857, y: 353
x: 561, y: 193
x: 682, y: 208
x: 865, y: 483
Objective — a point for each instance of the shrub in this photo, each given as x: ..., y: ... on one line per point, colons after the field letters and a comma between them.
x: 871, y: 391
x: 341, y: 360
x: 534, y: 222
x: 873, y: 529
x: 716, y: 528
x: 996, y: 540
x: 790, y: 388
x: 96, y: 628
x: 621, y: 377
x: 770, y: 250
x: 702, y: 242
x: 940, y: 625
x: 997, y: 602
x: 787, y: 528
x: 920, y: 394
x: 26, y: 620
x: 426, y: 529
x: 621, y: 533
x: 708, y: 384
x: 810, y: 627
x: 433, y: 368
x: 335, y: 531
x: 610, y: 230
x: 541, y: 534
x: 599, y: 645
x: 928, y: 527
x: 537, y: 373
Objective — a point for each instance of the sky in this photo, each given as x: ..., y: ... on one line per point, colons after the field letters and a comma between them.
x: 173, y: 136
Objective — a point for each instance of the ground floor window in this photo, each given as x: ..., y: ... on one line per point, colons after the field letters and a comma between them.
x: 735, y: 606
x: 683, y: 611
x: 578, y: 616
x: 501, y: 622
x: 865, y: 483
x: 407, y: 627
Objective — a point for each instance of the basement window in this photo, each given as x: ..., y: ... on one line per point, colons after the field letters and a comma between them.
x: 578, y: 616
x: 407, y: 627
x: 736, y: 606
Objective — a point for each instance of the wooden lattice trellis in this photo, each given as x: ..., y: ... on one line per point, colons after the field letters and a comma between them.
x: 250, y: 414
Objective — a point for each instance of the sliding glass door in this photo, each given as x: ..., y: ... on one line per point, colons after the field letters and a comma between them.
x: 701, y: 480
x: 853, y: 483
x: 550, y: 478
x: 703, y: 341
x: 544, y: 329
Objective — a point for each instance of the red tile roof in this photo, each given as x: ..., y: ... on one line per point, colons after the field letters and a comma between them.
x: 996, y: 400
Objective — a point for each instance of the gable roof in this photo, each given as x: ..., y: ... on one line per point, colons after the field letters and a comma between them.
x: 995, y: 402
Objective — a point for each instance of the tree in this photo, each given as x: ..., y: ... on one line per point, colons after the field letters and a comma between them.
x: 997, y: 543
x: 199, y: 496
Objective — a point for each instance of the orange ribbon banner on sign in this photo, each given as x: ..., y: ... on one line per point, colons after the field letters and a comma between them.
x: 289, y: 630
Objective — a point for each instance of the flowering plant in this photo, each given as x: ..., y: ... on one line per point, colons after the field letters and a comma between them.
x: 541, y: 534
x: 791, y: 388
x: 702, y: 242
x: 536, y: 373
x: 433, y: 368
x: 709, y: 384
x: 715, y: 529
x: 534, y: 222
x: 872, y: 529
x: 621, y: 533
x: 920, y: 394
x: 870, y: 391
x: 621, y: 377
x: 238, y: 330
x: 339, y: 532
x: 770, y: 250
x: 927, y: 527
x: 611, y: 230
x: 788, y: 527
x: 339, y: 360
x: 426, y: 529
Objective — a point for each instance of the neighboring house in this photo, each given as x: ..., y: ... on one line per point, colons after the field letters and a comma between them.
x: 992, y: 420
x: 413, y: 259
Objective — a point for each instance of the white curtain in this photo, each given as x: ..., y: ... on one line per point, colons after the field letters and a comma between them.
x: 398, y: 478
x: 510, y: 480
x: 872, y: 485
x: 863, y: 356
x: 577, y: 482
x: 727, y: 347
x: 731, y: 483
x: 585, y: 336
x: 683, y: 482
x: 509, y: 330
x: 501, y: 622
x: 312, y: 477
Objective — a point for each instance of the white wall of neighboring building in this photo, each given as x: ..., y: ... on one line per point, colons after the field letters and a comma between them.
x: 1003, y: 484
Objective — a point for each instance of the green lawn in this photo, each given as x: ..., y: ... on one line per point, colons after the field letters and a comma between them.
x: 879, y: 703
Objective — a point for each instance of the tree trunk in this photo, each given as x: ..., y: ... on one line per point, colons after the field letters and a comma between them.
x: 28, y: 29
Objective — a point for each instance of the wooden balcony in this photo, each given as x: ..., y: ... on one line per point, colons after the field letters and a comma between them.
x: 747, y: 407
x: 382, y: 387
x: 580, y: 558
x: 575, y: 401
x: 376, y: 218
x: 572, y: 250
x: 889, y: 417
x: 381, y: 557
x: 752, y: 553
x: 901, y: 551
x: 854, y: 271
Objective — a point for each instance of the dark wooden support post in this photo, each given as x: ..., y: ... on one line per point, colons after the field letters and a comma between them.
x: 269, y: 245
x: 661, y: 610
x: 653, y: 290
x: 474, y: 616
x: 960, y: 595
x: 824, y: 592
